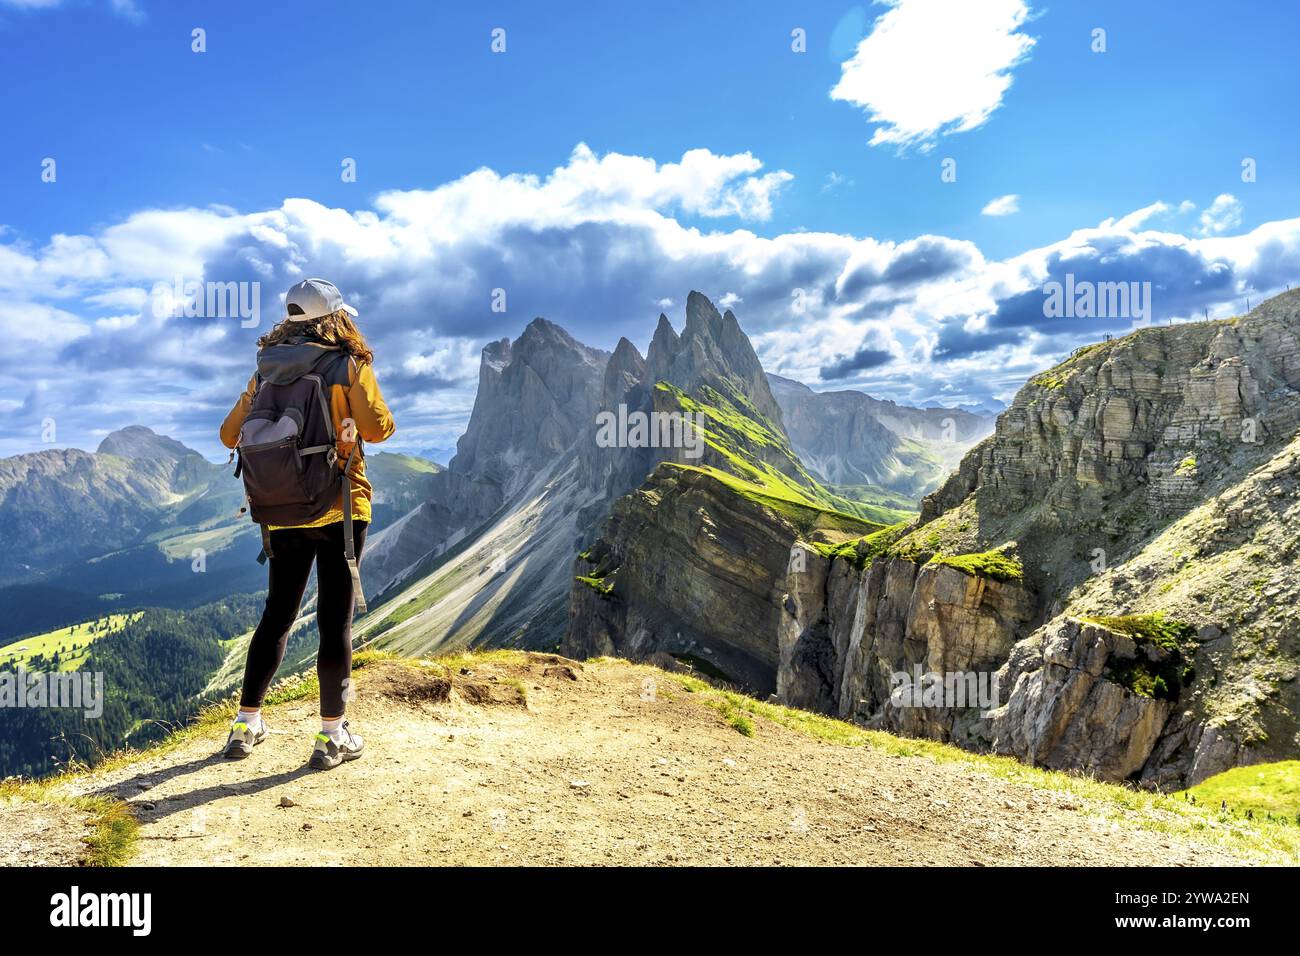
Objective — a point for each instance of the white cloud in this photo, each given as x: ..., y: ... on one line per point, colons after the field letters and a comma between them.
x: 128, y: 9
x: 1222, y: 215
x: 834, y: 181
x: 1139, y: 217
x: 1007, y: 205
x: 598, y: 246
x: 935, y: 67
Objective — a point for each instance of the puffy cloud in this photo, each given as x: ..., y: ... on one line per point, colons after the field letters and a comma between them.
x: 1007, y: 205
x: 931, y: 68
x: 1224, y: 214
x: 600, y: 246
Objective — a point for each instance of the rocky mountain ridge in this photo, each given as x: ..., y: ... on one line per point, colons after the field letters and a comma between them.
x: 1116, y: 553
x: 485, y: 561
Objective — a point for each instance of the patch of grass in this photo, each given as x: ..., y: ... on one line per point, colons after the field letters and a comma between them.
x: 469, y: 660
x: 806, y: 516
x: 298, y: 687
x: 875, y: 495
x: 1264, y: 789
x: 71, y: 643
x: 1147, y: 628
x: 115, y: 830
x: 1057, y: 376
x: 1187, y: 467
x: 996, y: 565
x: 1159, y: 676
x: 733, y: 707
x: 113, y: 826
x: 748, y: 443
x: 741, y: 723
x: 861, y: 552
x: 599, y: 585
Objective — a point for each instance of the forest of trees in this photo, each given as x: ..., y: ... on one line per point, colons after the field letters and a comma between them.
x: 154, y: 669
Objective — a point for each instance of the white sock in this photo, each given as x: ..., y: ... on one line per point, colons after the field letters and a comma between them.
x: 333, y: 728
x: 251, y: 717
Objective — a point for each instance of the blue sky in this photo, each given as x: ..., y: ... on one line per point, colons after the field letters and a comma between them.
x: 225, y: 165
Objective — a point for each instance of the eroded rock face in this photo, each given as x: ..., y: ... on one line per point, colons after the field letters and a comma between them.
x: 1063, y: 711
x: 851, y: 631
x: 692, y: 570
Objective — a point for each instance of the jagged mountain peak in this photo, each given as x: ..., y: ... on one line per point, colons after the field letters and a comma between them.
x: 701, y: 314
x: 542, y: 333
x: 625, y: 351
x: 535, y: 396
x: 712, y: 350
x: 626, y: 361
x: 497, y: 353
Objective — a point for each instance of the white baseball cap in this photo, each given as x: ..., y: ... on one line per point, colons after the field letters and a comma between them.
x: 316, y: 298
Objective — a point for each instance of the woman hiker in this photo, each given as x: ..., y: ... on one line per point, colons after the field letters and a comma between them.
x: 298, y: 430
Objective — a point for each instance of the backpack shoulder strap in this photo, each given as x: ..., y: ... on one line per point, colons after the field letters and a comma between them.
x: 349, y: 540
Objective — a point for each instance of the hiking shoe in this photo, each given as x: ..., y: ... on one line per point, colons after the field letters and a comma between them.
x: 242, y: 740
x: 329, y: 753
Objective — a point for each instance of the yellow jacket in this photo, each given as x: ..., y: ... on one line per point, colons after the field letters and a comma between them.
x: 359, y: 401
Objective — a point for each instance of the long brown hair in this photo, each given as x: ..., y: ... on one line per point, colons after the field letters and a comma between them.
x: 335, y: 329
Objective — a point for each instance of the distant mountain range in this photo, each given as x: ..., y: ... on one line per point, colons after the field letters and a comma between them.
x: 849, y: 438
x: 121, y: 528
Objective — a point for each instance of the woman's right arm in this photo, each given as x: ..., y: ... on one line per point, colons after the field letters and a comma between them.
x: 369, y: 410
x: 235, y: 419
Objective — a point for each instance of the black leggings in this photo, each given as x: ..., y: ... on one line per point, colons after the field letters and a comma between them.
x: 294, y: 550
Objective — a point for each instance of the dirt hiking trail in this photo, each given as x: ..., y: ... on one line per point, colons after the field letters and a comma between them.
x: 534, y: 759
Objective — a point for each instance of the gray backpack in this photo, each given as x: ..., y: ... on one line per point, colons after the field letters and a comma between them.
x: 288, y: 456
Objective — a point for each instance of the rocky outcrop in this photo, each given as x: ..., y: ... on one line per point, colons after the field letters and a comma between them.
x: 1066, y: 710
x: 685, y: 567
x: 711, y: 351
x: 614, y: 471
x: 536, y: 396
x: 711, y: 364
x: 850, y: 631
